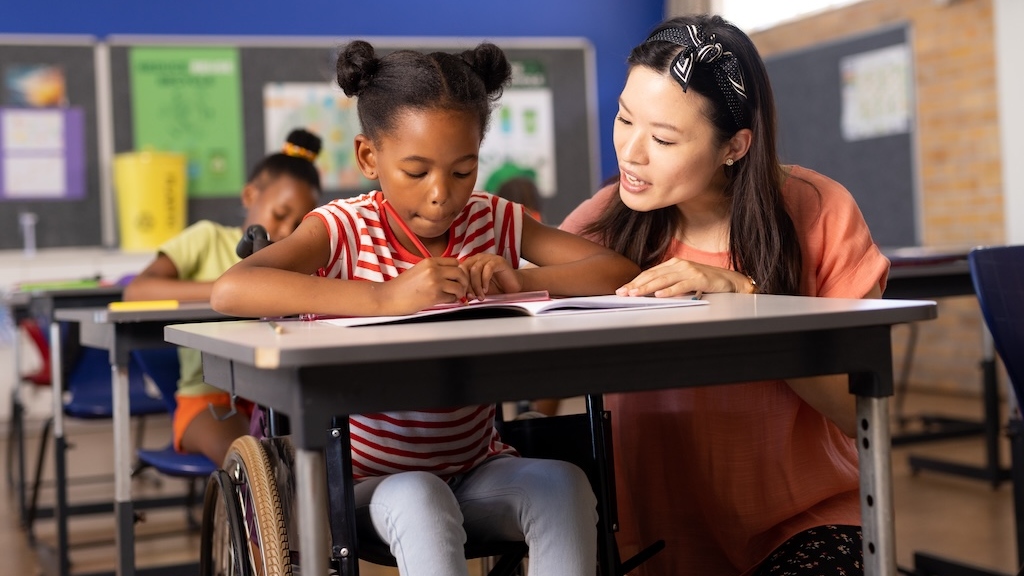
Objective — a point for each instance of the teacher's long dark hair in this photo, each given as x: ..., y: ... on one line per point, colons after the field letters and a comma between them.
x: 762, y: 238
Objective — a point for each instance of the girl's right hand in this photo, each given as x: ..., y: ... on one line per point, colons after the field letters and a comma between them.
x: 675, y: 276
x: 430, y: 282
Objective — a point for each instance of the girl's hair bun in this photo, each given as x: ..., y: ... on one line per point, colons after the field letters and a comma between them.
x: 490, y: 64
x: 357, y: 65
x: 306, y: 140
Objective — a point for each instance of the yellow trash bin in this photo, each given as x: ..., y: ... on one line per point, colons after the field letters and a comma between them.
x: 150, y: 198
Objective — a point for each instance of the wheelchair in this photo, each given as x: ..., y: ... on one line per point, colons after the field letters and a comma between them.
x: 248, y: 524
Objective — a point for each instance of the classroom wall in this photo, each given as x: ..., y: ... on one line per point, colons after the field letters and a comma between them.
x: 1009, y: 21
x: 958, y: 149
x: 612, y: 26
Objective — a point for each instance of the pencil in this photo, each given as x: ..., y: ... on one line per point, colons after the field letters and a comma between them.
x: 698, y: 295
x: 277, y: 328
x: 412, y: 236
x: 401, y: 224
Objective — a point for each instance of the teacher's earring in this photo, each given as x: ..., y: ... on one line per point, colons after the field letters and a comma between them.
x: 729, y: 161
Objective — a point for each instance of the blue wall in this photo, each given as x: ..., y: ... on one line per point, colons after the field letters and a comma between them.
x: 613, y: 26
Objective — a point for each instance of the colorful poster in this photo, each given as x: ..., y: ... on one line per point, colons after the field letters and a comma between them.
x: 520, y: 140
x: 876, y: 93
x: 189, y: 100
x: 35, y: 86
x: 325, y: 111
x: 42, y: 154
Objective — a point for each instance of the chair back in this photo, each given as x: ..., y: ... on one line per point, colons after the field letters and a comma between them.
x: 162, y: 366
x: 40, y: 377
x: 998, y: 275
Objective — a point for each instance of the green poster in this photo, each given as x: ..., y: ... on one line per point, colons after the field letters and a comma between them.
x: 189, y: 100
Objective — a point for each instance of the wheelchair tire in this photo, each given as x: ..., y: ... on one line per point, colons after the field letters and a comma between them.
x: 265, y: 531
x: 223, y: 550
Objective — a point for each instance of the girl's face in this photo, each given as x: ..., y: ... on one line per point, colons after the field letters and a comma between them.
x: 278, y: 204
x: 427, y: 168
x: 668, y: 151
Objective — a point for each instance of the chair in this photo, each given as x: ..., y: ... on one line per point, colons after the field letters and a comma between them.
x: 998, y: 275
x: 16, y: 429
x: 162, y: 366
x: 253, y: 494
x: 89, y: 398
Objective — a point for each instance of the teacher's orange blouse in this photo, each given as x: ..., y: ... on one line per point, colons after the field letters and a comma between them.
x: 726, y: 474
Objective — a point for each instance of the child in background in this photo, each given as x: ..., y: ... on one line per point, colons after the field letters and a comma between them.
x: 426, y: 479
x: 522, y: 190
x: 282, y: 188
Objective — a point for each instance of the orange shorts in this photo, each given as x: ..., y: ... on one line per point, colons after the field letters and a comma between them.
x: 191, y: 406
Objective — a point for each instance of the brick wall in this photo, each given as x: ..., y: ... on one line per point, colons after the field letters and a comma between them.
x: 958, y: 154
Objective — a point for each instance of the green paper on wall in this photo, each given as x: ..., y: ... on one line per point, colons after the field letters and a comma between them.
x: 189, y: 100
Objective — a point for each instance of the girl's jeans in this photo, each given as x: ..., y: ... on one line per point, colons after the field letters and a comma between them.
x: 546, y: 503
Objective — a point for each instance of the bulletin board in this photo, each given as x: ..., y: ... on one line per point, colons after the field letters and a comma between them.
x: 836, y: 115
x: 283, y: 70
x: 48, y: 141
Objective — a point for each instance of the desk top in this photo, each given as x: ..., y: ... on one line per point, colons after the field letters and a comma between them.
x: 314, y: 343
x: 186, y: 311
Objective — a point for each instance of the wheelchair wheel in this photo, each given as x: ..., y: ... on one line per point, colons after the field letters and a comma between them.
x: 223, y: 551
x: 262, y: 528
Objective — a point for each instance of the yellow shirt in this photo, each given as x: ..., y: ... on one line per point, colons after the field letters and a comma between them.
x: 201, y: 253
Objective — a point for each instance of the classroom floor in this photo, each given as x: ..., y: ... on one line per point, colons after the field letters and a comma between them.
x: 956, y: 518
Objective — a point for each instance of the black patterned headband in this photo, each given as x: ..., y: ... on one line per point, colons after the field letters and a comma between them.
x: 698, y: 48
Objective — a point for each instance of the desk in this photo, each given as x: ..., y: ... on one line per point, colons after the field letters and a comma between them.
x: 43, y: 304
x: 939, y: 273
x: 312, y: 371
x: 120, y: 333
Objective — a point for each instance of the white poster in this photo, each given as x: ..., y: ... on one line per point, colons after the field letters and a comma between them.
x: 876, y: 93
x: 324, y: 110
x: 520, y: 140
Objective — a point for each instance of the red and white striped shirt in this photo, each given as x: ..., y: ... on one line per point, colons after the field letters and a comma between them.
x: 363, y: 247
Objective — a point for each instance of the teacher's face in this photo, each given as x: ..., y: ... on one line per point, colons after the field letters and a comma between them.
x: 668, y: 151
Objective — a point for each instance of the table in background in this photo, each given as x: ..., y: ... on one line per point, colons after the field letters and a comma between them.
x: 121, y: 332
x: 312, y: 369
x: 939, y: 273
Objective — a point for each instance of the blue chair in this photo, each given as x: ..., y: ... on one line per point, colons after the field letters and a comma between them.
x: 162, y: 366
x: 998, y: 275
x: 89, y: 397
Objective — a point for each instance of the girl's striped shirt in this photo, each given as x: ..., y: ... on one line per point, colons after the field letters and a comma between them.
x: 363, y: 247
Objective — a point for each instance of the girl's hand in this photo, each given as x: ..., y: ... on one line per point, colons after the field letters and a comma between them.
x: 674, y: 277
x: 491, y: 274
x: 431, y: 281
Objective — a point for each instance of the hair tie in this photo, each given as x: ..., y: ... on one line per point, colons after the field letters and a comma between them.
x: 698, y: 48
x: 298, y: 152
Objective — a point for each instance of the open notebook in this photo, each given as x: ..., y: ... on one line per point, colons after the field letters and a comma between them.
x: 523, y: 304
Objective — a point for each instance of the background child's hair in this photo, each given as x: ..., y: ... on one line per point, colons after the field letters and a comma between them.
x: 302, y: 148
x: 471, y: 81
x: 521, y: 190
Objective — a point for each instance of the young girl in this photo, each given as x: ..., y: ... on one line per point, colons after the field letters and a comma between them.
x: 427, y: 479
x: 282, y: 189
x: 758, y: 478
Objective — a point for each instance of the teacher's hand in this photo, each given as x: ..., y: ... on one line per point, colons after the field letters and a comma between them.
x: 674, y: 277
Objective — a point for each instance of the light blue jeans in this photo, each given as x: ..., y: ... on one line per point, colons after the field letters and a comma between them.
x: 546, y: 503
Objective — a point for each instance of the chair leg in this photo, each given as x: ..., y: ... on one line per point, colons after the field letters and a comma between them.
x: 30, y: 512
x: 190, y: 502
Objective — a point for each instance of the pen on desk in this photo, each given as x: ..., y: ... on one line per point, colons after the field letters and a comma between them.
x: 277, y: 328
x: 698, y: 295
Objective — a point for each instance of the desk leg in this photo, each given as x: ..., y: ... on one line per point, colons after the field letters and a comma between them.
x: 124, y: 516
x: 60, y: 512
x: 311, y: 491
x: 874, y: 448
